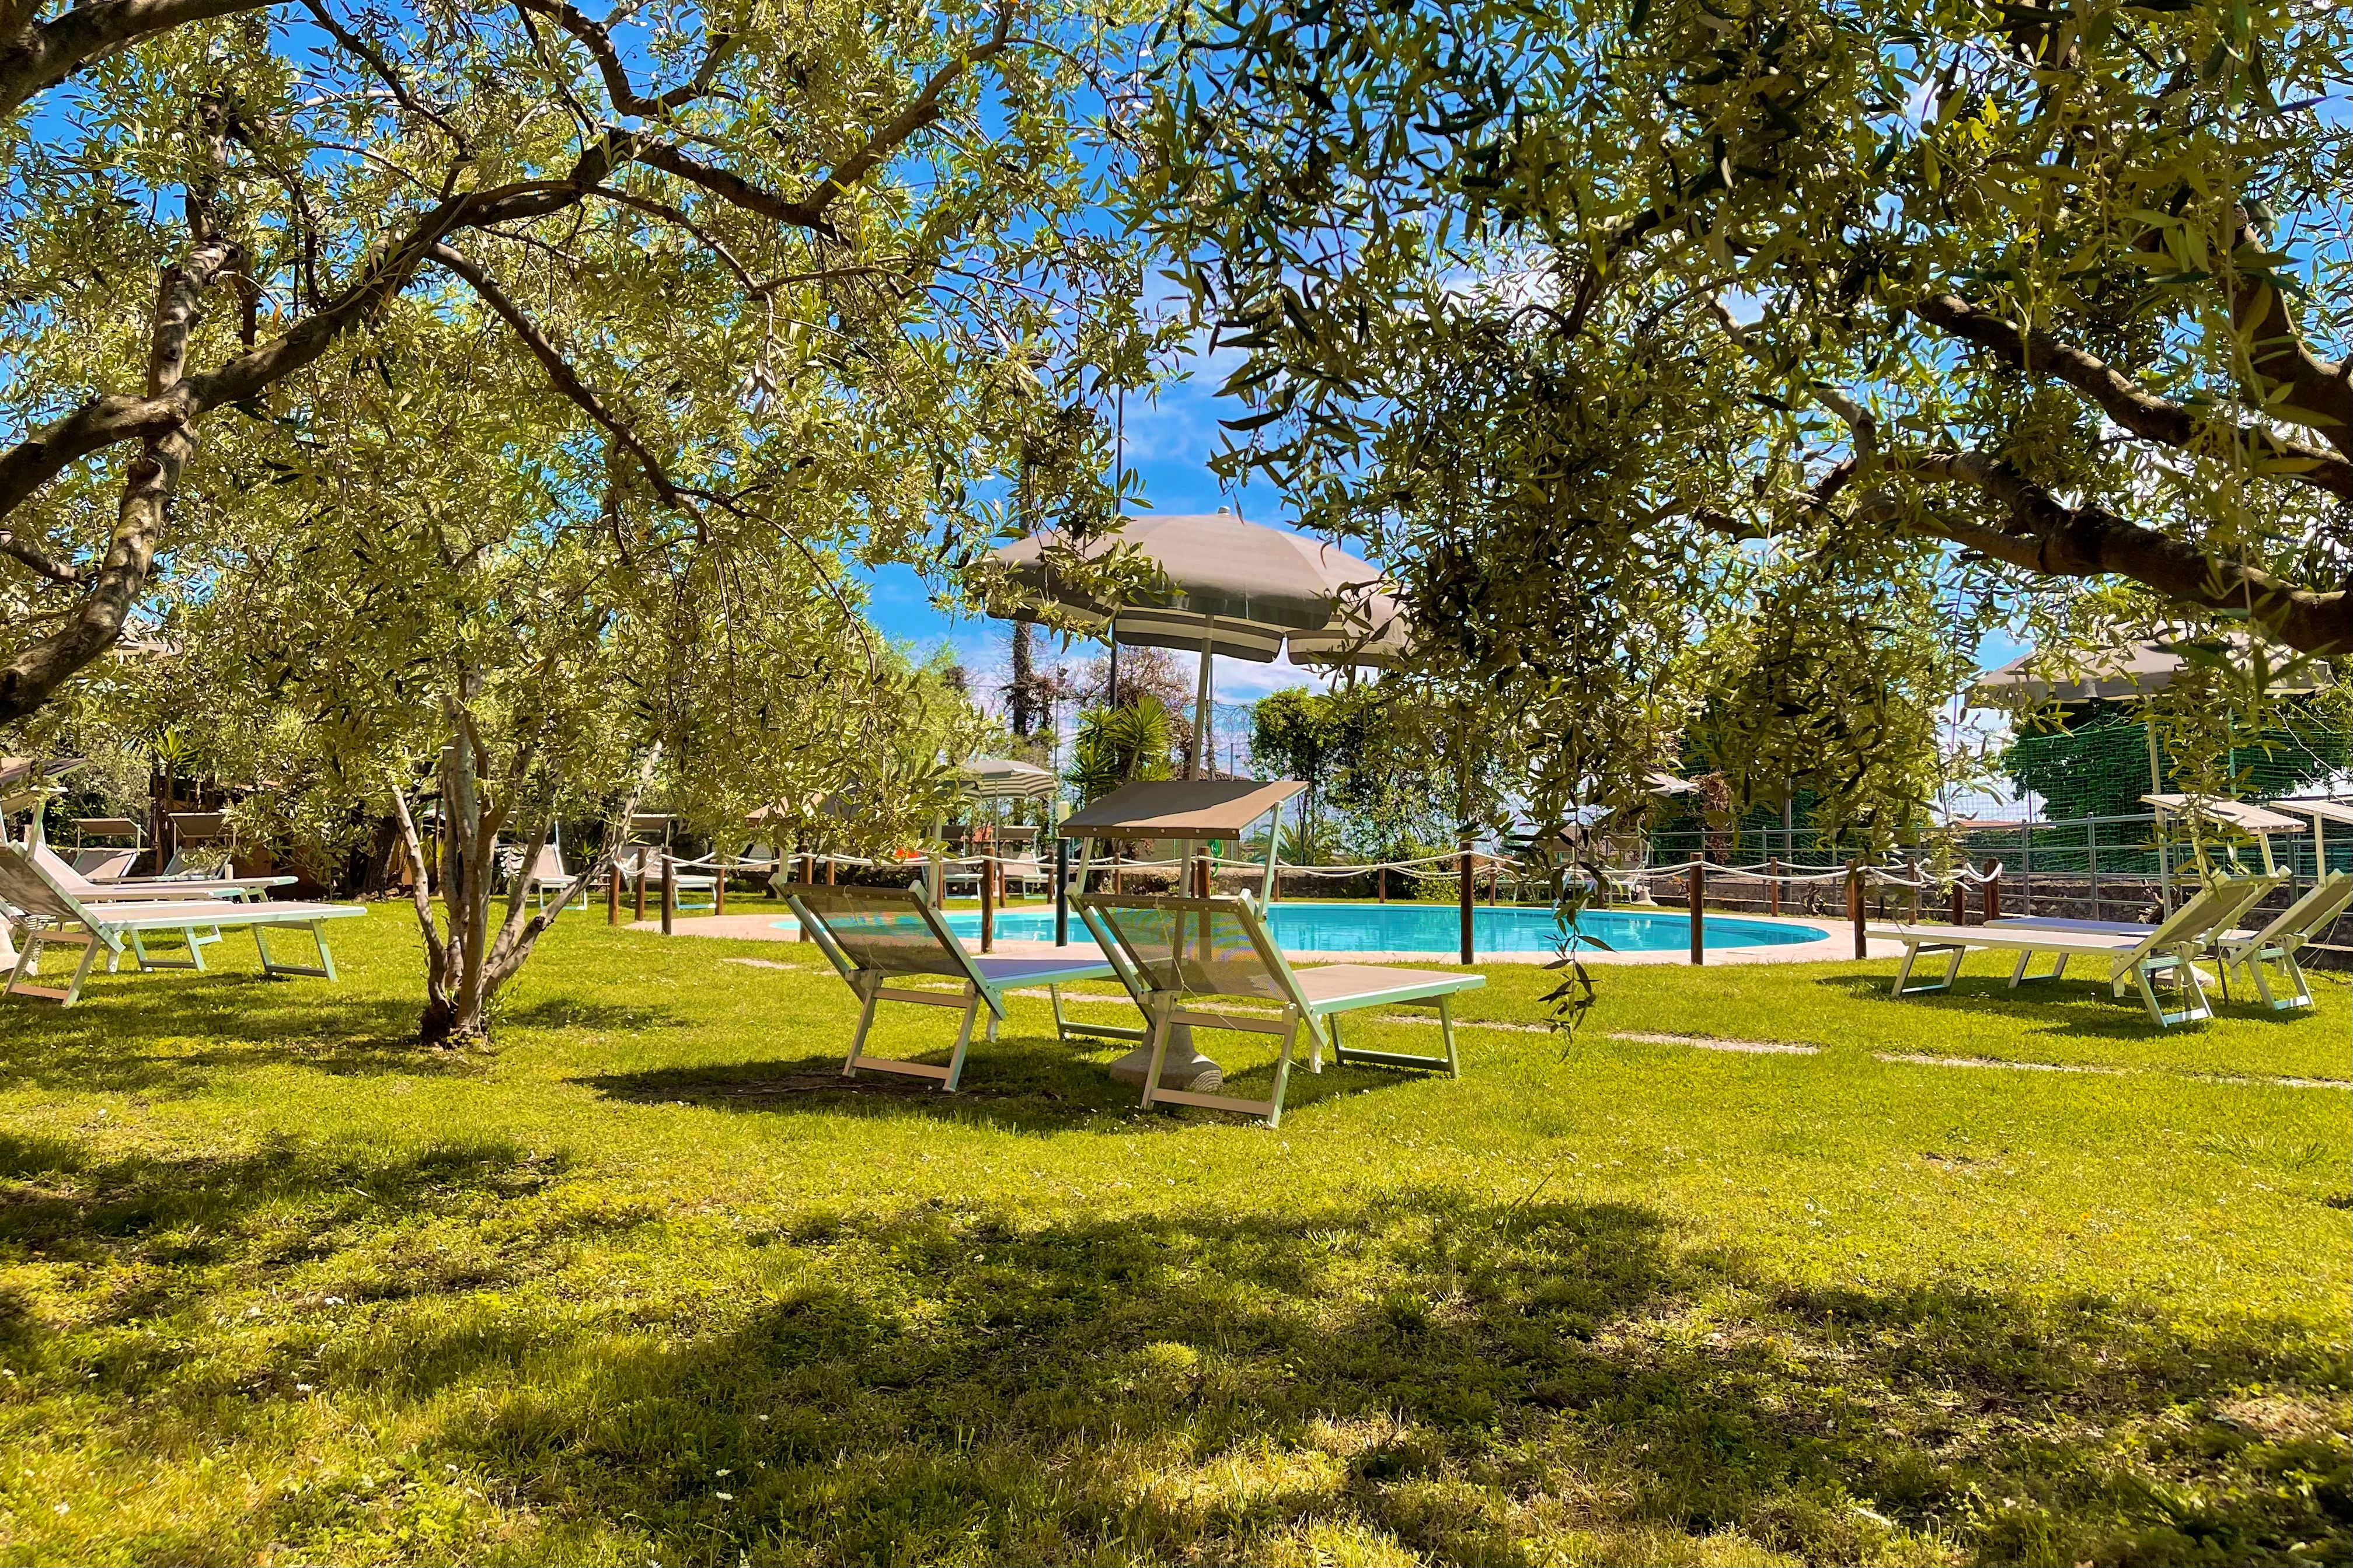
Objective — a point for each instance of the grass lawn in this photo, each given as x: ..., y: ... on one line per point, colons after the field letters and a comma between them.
x: 647, y: 1285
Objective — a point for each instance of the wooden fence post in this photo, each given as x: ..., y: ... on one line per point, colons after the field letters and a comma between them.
x: 1855, y: 901
x: 1960, y: 897
x: 719, y: 888
x: 987, y: 902
x: 641, y: 887
x: 669, y: 892
x: 1463, y: 866
x: 1990, y: 890
x: 1773, y: 886
x: 1695, y: 882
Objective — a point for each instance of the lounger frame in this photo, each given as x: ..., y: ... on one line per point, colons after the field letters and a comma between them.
x: 2167, y: 951
x: 979, y: 982
x: 1317, y: 1016
x: 51, y: 913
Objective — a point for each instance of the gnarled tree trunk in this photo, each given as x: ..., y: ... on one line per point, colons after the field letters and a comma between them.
x: 466, y: 963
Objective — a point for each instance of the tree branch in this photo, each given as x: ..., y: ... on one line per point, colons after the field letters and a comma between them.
x: 559, y: 370
x: 103, y: 421
x: 41, y: 56
x: 421, y: 891
x: 670, y: 213
x: 38, y: 561
x: 808, y: 210
x: 391, y: 78
x: 2320, y: 394
x: 514, y: 943
x: 2125, y: 401
x: 2059, y: 540
x: 152, y: 478
x: 165, y: 420
x: 626, y: 98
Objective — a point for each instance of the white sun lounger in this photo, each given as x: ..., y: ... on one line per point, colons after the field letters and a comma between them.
x: 127, y: 890
x: 51, y: 915
x: 549, y: 874
x: 1176, y: 949
x: 154, y: 889
x: 104, y: 865
x: 875, y: 936
x: 2294, y: 928
x: 2168, y: 950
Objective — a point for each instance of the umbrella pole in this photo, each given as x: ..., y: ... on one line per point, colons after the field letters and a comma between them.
x: 1197, y: 765
x: 1201, y: 707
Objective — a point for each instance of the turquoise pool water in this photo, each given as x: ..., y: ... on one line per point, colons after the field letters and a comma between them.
x: 1436, y: 929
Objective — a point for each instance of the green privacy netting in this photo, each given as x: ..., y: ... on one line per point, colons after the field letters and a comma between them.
x: 2099, y: 763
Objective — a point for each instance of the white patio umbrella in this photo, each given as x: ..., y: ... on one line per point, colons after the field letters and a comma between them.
x: 1236, y: 589
x: 1008, y: 778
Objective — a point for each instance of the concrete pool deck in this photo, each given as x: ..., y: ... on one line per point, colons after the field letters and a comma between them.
x: 1837, y: 946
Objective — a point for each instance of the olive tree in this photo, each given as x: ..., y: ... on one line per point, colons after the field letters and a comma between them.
x: 444, y: 585
x: 1627, y: 325
x: 211, y: 205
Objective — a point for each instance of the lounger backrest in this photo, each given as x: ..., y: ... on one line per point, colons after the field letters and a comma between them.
x: 549, y: 867
x: 197, y: 860
x: 29, y: 885
x: 1200, y: 947
x: 2311, y: 913
x: 64, y: 875
x: 2218, y: 903
x: 884, y: 930
x: 103, y: 863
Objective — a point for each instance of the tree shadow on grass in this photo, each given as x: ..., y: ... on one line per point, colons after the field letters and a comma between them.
x: 172, y: 1232
x: 566, y: 1011
x: 1426, y: 1377
x: 1419, y: 1373
x: 177, y: 1039
x: 1026, y: 1083
x: 176, y: 1034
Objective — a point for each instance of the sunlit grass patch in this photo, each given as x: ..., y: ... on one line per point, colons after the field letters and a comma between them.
x: 651, y: 1283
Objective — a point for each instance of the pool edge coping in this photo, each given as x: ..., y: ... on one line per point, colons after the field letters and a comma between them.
x: 1834, y: 946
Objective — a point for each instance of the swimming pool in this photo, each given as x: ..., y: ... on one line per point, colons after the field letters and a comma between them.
x: 1436, y: 929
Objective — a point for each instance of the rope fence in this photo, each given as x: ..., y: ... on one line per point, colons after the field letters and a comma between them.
x: 2098, y: 877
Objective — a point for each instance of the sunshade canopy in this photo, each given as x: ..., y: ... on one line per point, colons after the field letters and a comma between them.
x: 2135, y: 669
x: 1006, y: 778
x: 1245, y: 589
x: 1182, y: 808
x: 2318, y: 810
x: 2237, y: 813
x: 832, y: 805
